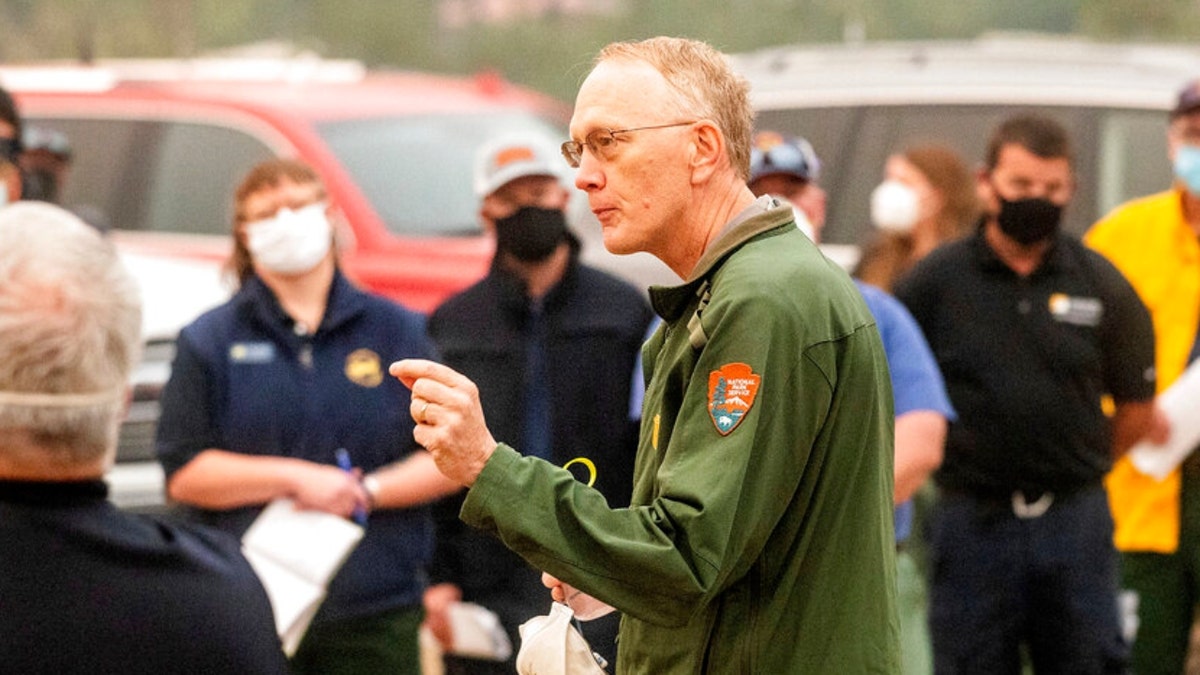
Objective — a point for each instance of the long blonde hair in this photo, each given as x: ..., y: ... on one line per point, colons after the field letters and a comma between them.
x: 889, y: 255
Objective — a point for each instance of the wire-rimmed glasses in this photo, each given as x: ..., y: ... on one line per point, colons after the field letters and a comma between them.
x: 602, y: 142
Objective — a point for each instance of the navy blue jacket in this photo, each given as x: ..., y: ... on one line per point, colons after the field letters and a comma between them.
x: 244, y: 380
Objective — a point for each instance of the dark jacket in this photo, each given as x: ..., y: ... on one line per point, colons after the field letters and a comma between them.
x: 595, y: 325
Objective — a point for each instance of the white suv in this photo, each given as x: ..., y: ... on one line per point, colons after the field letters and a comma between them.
x: 859, y: 103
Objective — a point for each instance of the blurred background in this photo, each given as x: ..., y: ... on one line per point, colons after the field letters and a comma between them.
x: 154, y: 150
x: 544, y: 44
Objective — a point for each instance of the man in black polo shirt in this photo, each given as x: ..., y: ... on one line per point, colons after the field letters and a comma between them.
x: 1032, y: 331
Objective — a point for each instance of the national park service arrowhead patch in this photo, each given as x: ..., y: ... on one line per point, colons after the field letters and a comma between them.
x: 731, y: 392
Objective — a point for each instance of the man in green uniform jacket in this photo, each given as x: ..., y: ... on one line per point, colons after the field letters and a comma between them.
x: 760, y: 535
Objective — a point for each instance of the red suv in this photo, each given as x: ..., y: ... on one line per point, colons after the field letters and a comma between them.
x: 158, y: 148
x: 157, y: 151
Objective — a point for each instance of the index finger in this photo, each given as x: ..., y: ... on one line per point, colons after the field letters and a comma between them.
x: 408, y: 371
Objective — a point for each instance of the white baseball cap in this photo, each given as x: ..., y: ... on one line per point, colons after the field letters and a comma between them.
x: 514, y: 156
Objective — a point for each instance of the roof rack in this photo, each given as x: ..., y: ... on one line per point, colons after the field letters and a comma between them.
x: 990, y: 51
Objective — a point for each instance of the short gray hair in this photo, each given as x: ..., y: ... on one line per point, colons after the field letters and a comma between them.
x: 706, y: 85
x: 70, y: 332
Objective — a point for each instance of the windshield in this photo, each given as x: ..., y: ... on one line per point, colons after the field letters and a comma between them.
x: 417, y: 170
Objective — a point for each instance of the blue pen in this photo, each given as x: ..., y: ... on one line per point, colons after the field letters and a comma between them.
x: 343, y: 462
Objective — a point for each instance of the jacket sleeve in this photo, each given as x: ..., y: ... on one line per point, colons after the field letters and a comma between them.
x: 185, y: 425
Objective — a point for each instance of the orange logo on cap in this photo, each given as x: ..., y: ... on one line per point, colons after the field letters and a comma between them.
x: 765, y: 140
x: 518, y: 154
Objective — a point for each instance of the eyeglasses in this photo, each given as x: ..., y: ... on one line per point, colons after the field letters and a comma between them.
x: 603, y: 142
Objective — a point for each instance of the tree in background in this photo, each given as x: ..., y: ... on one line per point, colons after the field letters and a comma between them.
x: 546, y: 44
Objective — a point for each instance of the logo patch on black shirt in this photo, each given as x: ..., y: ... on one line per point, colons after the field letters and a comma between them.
x: 1076, y: 310
x: 731, y: 392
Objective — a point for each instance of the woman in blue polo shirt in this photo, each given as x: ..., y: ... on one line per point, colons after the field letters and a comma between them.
x: 266, y: 388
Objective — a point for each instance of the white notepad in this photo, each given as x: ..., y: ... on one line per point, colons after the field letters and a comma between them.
x: 296, y: 553
x: 1181, y: 404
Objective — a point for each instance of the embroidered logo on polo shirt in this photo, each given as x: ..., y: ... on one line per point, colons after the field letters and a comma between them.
x: 252, y: 352
x: 364, y: 368
x: 1076, y: 310
x: 731, y: 392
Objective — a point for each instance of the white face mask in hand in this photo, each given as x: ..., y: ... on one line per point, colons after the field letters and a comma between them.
x: 550, y: 645
x: 291, y: 242
x: 894, y: 206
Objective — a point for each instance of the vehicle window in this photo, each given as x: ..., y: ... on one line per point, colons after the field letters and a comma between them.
x: 102, y: 157
x: 1120, y: 154
x: 417, y: 170
x: 1133, y: 159
x: 198, y: 169
x: 154, y: 175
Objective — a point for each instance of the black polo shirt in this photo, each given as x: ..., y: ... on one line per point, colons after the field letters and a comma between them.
x: 1027, y: 361
x: 86, y: 588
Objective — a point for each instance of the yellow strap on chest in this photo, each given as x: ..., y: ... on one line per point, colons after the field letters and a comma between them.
x: 588, y: 464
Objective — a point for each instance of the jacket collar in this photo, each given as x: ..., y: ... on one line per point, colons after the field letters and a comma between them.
x: 53, y: 493
x: 764, y: 215
x: 345, y: 302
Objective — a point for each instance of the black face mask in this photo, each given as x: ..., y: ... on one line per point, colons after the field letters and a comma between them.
x: 10, y: 150
x: 39, y: 185
x: 1028, y: 221
x: 531, y: 234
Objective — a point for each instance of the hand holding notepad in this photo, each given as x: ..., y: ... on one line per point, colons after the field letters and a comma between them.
x: 1181, y: 404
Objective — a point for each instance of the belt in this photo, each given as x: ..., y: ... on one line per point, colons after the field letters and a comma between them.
x: 1025, y: 504
x: 1027, y: 509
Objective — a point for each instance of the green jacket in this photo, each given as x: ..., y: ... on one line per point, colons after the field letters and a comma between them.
x: 760, y: 536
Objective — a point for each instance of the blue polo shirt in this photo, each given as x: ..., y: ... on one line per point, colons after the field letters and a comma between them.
x: 247, y: 379
x: 916, y: 381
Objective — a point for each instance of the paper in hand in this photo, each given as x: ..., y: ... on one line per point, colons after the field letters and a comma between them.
x: 295, y: 554
x: 1179, y: 404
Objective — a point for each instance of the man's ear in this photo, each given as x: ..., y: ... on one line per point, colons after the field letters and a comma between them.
x: 708, y: 151
x: 985, y: 191
x: 485, y: 222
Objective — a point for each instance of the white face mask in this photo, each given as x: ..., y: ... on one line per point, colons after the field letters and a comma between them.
x: 3, y: 186
x: 291, y: 242
x: 802, y: 221
x: 894, y: 206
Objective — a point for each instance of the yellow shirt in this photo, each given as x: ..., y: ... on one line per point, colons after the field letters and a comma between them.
x: 1149, y: 241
